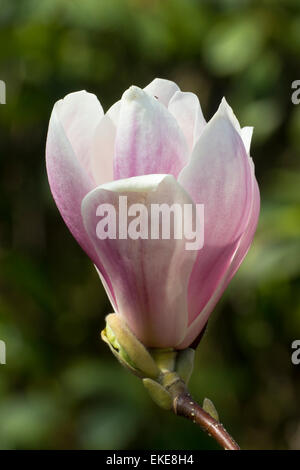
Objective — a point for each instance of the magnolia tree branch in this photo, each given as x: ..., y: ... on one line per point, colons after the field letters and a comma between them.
x: 184, y: 405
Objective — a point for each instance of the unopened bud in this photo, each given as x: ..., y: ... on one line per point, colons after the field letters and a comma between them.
x: 210, y: 408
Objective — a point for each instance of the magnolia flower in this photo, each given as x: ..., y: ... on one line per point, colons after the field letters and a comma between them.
x: 154, y: 145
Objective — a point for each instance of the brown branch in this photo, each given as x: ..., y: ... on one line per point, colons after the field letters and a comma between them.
x: 184, y: 405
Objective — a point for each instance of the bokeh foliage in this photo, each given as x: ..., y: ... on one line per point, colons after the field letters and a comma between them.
x: 61, y: 388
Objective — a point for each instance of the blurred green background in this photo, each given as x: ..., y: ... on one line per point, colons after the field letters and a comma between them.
x: 61, y: 388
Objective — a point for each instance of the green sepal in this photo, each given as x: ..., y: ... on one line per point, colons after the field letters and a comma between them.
x: 185, y: 364
x: 121, y: 359
x: 127, y: 348
x: 158, y: 394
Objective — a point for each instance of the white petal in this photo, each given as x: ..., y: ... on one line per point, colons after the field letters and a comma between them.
x: 186, y: 109
x: 162, y: 89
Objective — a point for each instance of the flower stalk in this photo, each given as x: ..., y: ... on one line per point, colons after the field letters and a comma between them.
x: 165, y: 374
x: 184, y: 405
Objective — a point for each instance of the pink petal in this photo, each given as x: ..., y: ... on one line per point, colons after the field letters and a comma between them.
x: 79, y: 114
x: 246, y: 134
x: 69, y: 182
x: 104, y: 142
x: 150, y: 277
x: 109, y: 290
x: 219, y: 175
x: 162, y: 89
x: 114, y: 112
x: 185, y: 107
x: 242, y: 248
x: 248, y: 235
x: 149, y: 139
x: 103, y: 150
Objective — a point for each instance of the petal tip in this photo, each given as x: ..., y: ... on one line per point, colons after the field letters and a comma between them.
x: 133, y: 93
x: 226, y: 111
x: 224, y: 108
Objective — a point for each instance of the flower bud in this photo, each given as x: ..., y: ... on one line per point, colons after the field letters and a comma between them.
x: 210, y: 408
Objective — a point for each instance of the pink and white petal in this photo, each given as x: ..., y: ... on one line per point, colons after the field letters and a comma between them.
x: 219, y: 175
x: 159, y: 88
x: 103, y: 149
x: 108, y: 290
x: 186, y: 109
x: 79, y: 114
x: 148, y: 139
x: 228, y: 112
x: 248, y: 235
x: 150, y: 276
x: 200, y: 123
x: 241, y: 251
x: 246, y: 134
x: 69, y: 184
x: 114, y: 112
x: 162, y: 89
